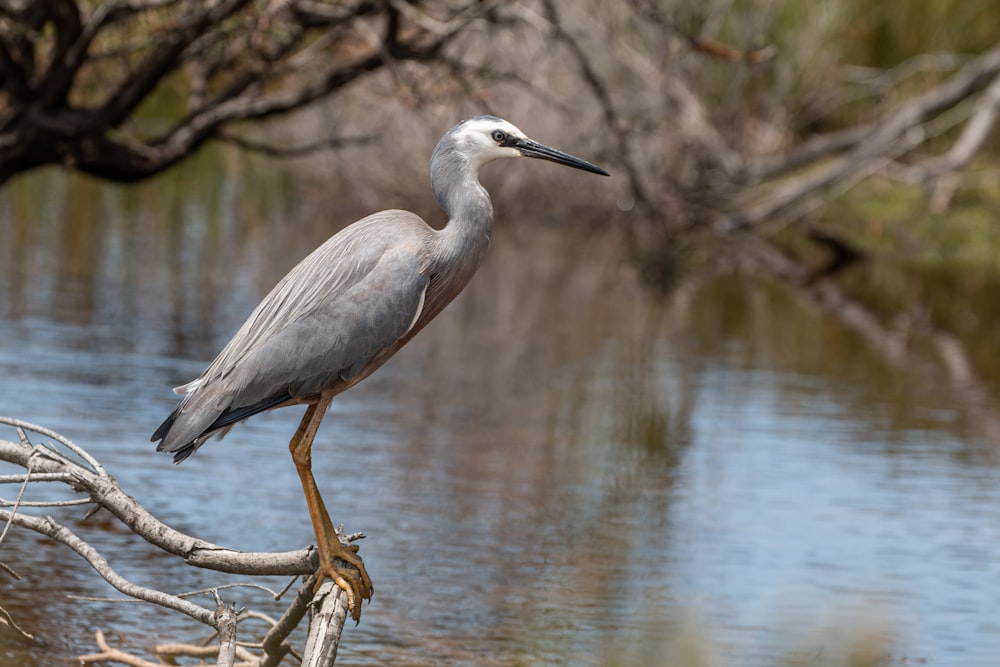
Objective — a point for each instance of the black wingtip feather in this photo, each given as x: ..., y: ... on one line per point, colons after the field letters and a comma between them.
x: 184, y: 452
x: 228, y: 417
x: 233, y: 415
x: 161, y: 432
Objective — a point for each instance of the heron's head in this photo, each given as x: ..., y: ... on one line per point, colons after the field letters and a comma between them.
x: 481, y: 139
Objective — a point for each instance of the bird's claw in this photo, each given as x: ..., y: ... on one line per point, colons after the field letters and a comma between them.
x: 353, y: 579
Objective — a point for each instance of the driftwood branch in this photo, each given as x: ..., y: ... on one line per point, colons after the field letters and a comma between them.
x: 225, y: 622
x: 329, y: 610
x: 104, y: 491
x: 64, y: 462
x: 167, y: 654
x: 856, y: 152
x: 50, y: 528
x: 8, y: 620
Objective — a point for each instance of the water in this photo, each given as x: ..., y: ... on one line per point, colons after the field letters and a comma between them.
x: 562, y: 469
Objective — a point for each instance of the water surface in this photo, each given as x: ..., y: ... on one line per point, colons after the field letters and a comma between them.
x: 564, y: 468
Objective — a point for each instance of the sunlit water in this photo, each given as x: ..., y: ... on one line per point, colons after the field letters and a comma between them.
x: 563, y: 469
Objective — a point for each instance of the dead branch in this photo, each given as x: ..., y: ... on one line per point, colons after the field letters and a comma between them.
x: 7, y: 620
x: 50, y: 528
x: 225, y: 621
x: 166, y: 655
x: 103, y: 490
x: 112, y: 655
x: 976, y: 130
x: 329, y: 613
x: 65, y: 462
x: 275, y: 645
x: 871, y: 147
x: 76, y: 73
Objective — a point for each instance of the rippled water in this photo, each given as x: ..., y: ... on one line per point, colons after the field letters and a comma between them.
x: 563, y: 469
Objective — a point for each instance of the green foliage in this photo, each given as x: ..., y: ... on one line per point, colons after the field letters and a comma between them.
x: 829, y: 56
x: 883, y: 34
x: 895, y: 221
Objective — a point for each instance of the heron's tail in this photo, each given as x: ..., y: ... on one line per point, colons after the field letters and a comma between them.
x: 193, y: 422
x: 167, y: 444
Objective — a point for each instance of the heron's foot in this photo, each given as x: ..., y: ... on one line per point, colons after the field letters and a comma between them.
x: 349, y: 574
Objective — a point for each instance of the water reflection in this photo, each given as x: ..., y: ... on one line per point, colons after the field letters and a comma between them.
x: 560, y: 466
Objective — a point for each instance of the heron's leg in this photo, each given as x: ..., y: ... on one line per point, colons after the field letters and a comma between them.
x: 355, y: 583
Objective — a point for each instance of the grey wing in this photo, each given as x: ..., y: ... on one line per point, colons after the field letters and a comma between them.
x: 339, y: 338
x: 341, y: 311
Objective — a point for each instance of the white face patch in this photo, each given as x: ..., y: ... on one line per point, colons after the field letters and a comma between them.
x: 474, y: 139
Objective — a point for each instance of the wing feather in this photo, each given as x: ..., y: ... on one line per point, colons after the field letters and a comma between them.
x: 332, y: 317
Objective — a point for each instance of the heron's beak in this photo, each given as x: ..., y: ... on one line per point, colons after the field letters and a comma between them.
x: 531, y: 148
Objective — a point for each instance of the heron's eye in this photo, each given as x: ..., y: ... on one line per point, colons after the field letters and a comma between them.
x: 499, y: 136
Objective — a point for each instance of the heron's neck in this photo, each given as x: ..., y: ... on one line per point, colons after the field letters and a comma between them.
x: 470, y: 214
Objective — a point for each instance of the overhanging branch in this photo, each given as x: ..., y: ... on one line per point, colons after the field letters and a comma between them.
x: 236, y: 60
x: 870, y: 146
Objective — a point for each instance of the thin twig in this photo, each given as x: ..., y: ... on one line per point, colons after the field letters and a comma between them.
x: 43, y: 503
x: 20, y: 495
x: 239, y: 584
x: 247, y: 614
x: 61, y: 439
x: 285, y: 588
x: 6, y: 618
x: 9, y: 571
x: 48, y: 527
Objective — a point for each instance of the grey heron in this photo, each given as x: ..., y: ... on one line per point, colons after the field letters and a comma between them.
x: 344, y: 310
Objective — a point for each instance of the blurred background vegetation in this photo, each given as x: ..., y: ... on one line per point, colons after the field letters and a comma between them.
x: 815, y: 136
x: 694, y: 104
x: 705, y: 111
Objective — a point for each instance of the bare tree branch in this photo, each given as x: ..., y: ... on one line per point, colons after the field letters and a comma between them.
x: 79, y: 471
x: 50, y: 528
x: 874, y: 146
x: 982, y: 120
x: 104, y: 491
x: 239, y: 61
x: 329, y: 615
x: 225, y: 622
x: 7, y: 620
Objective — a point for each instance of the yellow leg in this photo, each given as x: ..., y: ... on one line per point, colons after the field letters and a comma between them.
x: 354, y: 580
